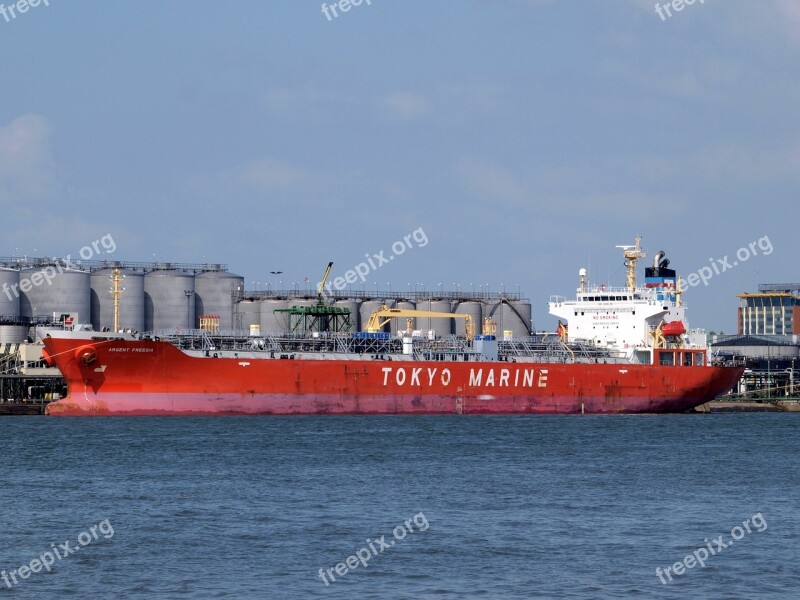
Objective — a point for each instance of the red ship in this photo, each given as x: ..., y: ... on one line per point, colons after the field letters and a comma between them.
x: 640, y: 368
x: 121, y: 377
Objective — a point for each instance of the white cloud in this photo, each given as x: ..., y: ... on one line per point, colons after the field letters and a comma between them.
x: 26, y: 166
x: 789, y: 14
x: 474, y: 96
x: 790, y: 10
x: 493, y: 184
x: 306, y: 101
x: 408, y: 106
x: 283, y: 100
x: 264, y: 173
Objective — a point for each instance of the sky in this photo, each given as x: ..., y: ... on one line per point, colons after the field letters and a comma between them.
x: 524, y: 139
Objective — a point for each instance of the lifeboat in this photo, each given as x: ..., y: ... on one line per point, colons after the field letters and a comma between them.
x: 673, y: 329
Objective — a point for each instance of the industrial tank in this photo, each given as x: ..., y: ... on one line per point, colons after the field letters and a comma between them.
x: 298, y: 322
x: 472, y: 309
x: 13, y: 334
x: 131, y: 300
x: 353, y: 306
x: 52, y: 293
x: 301, y: 302
x: 272, y: 322
x: 400, y: 324
x: 246, y: 313
x: 9, y: 293
x: 367, y: 308
x: 523, y: 309
x: 214, y: 295
x: 509, y: 316
x: 440, y: 325
x: 169, y: 300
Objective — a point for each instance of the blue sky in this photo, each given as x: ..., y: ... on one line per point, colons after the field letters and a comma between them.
x: 527, y: 138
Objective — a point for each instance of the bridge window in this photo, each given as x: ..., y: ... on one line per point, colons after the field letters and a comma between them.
x: 666, y: 358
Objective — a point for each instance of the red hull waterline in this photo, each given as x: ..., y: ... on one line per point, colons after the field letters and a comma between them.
x: 129, y: 378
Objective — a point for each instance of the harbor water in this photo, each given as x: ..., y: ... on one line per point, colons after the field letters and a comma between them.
x: 424, y: 507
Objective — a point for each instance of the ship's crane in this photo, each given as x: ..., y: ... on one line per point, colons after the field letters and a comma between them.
x: 383, y: 315
x: 321, y: 286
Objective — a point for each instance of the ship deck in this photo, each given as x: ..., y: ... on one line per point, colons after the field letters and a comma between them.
x: 537, y: 348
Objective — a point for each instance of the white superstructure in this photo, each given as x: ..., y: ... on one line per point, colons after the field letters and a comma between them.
x: 627, y: 319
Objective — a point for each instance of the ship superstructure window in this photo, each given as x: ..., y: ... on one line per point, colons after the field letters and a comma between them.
x: 666, y: 358
x: 606, y: 298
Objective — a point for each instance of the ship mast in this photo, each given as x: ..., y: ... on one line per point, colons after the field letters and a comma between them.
x: 632, y: 254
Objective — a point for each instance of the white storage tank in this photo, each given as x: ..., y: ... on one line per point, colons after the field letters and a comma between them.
x: 354, y: 306
x: 13, y: 334
x: 271, y: 322
x: 55, y: 290
x: 131, y: 301
x: 298, y: 320
x: 214, y: 295
x: 169, y: 300
x: 439, y: 325
x: 247, y: 313
x: 523, y: 310
x: 367, y: 308
x: 301, y: 302
x: 510, y: 316
x: 9, y: 293
x: 401, y: 324
x: 474, y: 310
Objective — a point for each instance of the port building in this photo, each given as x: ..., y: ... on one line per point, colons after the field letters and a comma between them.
x: 773, y: 310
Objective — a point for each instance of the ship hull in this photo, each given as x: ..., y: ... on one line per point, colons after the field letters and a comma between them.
x: 129, y: 378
